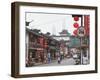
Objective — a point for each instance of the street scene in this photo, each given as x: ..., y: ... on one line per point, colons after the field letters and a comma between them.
x: 56, y: 39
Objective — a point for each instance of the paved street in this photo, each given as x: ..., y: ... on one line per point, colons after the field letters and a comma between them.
x: 69, y: 61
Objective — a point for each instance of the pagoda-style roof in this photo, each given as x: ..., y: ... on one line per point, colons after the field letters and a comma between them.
x: 64, y: 32
x: 33, y: 32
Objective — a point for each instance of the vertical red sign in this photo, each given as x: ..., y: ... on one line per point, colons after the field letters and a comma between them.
x: 87, y: 24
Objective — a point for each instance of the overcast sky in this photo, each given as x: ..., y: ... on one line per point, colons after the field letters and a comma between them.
x: 53, y: 23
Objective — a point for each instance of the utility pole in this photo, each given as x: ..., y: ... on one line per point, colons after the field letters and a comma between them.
x: 81, y: 42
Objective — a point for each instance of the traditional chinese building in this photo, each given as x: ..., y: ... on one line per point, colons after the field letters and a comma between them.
x: 37, y: 47
x: 34, y: 47
x: 64, y: 39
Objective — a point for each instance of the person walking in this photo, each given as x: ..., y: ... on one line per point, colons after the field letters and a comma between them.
x: 61, y: 55
x: 59, y: 59
x: 49, y: 58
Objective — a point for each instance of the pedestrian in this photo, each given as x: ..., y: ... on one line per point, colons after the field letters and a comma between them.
x: 45, y: 59
x: 85, y: 60
x: 49, y: 58
x: 62, y: 55
x: 59, y: 59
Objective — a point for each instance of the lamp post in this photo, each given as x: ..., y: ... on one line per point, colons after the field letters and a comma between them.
x: 81, y: 33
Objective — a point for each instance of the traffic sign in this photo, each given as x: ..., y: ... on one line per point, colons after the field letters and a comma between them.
x: 81, y: 32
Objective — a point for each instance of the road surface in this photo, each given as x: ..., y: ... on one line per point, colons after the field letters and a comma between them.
x: 67, y: 61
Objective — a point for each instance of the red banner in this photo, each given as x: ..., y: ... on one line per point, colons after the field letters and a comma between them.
x: 87, y: 24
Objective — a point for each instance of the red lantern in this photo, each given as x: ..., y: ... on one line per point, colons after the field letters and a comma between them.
x: 75, y: 32
x: 76, y: 25
x: 76, y: 18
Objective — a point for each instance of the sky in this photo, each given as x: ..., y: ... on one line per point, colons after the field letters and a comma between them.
x: 53, y: 23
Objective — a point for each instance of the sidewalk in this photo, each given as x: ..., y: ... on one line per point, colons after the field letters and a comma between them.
x: 38, y: 64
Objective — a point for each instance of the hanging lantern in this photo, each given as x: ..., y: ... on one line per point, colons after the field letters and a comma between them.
x: 75, y: 32
x: 76, y: 18
x: 76, y: 25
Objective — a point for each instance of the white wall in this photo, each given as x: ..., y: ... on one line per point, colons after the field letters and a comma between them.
x: 5, y: 40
